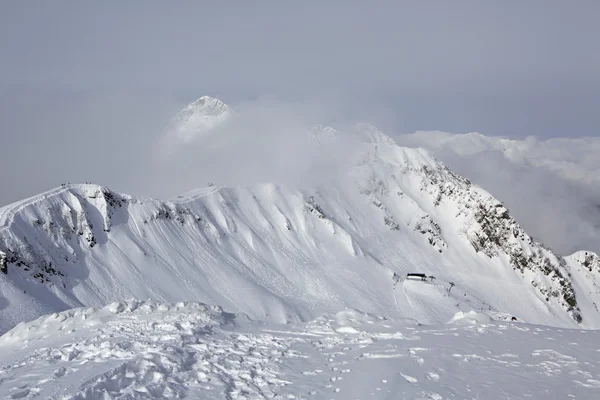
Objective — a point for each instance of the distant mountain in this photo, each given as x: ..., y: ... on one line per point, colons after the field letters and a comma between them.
x: 283, y: 254
x: 195, y: 120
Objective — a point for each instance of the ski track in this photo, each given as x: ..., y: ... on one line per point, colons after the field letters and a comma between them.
x: 181, y: 355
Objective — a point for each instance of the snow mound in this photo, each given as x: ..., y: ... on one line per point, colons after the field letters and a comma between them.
x: 353, y: 317
x: 346, y: 321
x: 470, y: 318
x: 78, y: 318
x: 352, y: 321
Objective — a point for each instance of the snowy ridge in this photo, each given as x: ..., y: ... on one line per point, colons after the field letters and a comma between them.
x: 283, y: 254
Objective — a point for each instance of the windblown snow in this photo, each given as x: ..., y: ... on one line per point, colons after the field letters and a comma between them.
x: 323, y: 268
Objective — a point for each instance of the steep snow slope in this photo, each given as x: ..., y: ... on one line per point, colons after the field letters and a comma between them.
x: 584, y: 267
x: 141, y: 350
x: 286, y: 254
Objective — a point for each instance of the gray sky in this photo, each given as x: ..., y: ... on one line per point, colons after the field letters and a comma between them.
x: 86, y: 87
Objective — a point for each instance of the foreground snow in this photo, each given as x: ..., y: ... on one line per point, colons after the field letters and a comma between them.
x: 136, y: 350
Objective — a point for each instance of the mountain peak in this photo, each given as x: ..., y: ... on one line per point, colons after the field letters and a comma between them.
x: 362, y: 132
x: 198, y: 118
x: 207, y: 105
x: 372, y: 134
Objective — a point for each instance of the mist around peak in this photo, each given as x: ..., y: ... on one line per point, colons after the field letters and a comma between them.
x: 262, y: 141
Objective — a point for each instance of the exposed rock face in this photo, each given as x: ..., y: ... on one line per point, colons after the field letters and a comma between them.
x: 3, y: 264
x: 589, y: 260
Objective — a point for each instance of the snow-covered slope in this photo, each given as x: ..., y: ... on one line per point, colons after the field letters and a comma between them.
x: 584, y: 267
x: 283, y: 254
x: 141, y: 350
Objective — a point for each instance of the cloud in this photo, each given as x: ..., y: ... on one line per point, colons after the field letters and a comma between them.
x: 117, y: 139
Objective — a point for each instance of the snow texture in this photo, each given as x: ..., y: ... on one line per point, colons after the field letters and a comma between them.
x: 140, y: 350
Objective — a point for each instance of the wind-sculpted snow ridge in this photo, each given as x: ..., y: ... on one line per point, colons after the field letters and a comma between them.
x: 288, y: 254
x: 141, y: 350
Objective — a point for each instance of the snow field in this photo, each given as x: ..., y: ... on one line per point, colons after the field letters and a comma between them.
x: 140, y: 350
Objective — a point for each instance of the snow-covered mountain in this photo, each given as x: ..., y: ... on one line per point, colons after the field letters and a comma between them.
x: 285, y: 254
x: 196, y: 120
